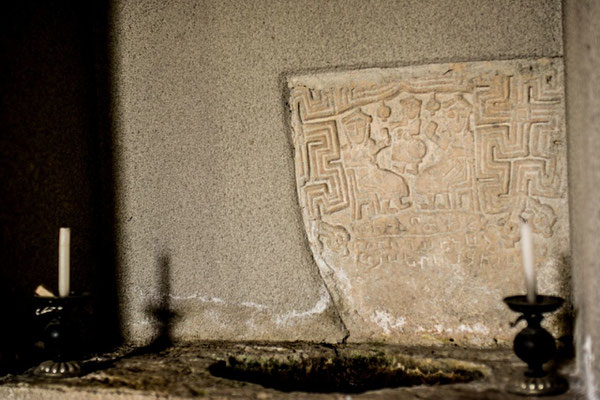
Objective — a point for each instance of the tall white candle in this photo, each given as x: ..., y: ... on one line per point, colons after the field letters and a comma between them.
x: 64, y: 261
x: 528, y: 261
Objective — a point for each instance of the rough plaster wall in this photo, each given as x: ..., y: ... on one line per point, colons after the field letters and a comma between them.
x: 582, y: 45
x: 206, y: 194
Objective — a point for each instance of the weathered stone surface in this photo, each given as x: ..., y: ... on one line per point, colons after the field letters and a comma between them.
x: 203, y: 162
x: 412, y: 183
x: 183, y: 371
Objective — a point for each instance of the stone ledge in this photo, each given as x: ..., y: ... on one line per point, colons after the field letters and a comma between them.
x: 181, y: 372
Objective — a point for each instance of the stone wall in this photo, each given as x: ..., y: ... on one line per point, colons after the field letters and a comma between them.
x: 208, y: 216
x: 582, y: 45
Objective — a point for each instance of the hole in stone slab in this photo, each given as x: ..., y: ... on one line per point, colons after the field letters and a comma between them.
x: 348, y: 374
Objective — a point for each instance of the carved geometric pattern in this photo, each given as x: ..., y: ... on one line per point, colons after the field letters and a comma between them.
x: 516, y: 126
x: 419, y: 177
x: 325, y: 103
x: 326, y: 188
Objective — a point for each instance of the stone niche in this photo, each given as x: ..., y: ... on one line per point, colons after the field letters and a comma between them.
x: 412, y: 182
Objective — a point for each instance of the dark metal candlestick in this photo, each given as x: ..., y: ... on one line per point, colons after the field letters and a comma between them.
x: 59, y: 319
x: 536, y: 346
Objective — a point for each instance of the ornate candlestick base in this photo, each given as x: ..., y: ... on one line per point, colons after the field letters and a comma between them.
x: 58, y: 369
x: 538, y: 386
x: 536, y: 346
x: 59, y: 319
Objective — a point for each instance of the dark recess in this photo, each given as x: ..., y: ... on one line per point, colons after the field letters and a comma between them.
x: 56, y: 165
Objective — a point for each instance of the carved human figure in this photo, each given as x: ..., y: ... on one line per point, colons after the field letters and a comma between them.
x: 361, y: 148
x: 406, y: 151
x: 377, y: 190
x: 453, y: 171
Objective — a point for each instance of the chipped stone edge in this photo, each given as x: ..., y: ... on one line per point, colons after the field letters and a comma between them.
x: 327, y: 79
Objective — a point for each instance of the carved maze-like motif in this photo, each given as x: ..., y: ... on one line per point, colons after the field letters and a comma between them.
x: 327, y: 188
x: 503, y: 142
x: 425, y: 167
x: 517, y: 128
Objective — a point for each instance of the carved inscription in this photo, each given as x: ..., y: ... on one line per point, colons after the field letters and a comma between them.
x: 429, y: 169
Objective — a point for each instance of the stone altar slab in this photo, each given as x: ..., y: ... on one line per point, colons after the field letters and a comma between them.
x: 412, y: 182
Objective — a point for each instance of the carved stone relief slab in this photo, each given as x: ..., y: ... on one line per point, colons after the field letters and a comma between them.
x: 412, y: 182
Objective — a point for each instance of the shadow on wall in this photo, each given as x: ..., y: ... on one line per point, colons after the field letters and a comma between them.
x: 160, y: 311
x: 56, y: 164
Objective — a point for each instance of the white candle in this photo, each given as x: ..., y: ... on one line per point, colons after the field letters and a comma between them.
x: 528, y: 263
x: 64, y: 261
